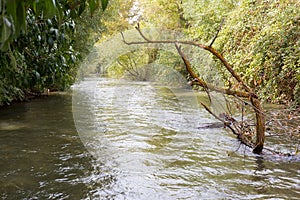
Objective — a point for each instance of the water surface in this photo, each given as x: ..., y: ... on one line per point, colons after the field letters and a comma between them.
x: 136, y: 140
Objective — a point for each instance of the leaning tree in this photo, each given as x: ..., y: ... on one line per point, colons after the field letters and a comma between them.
x: 240, y: 128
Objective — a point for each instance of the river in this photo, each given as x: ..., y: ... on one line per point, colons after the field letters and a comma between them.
x: 130, y: 140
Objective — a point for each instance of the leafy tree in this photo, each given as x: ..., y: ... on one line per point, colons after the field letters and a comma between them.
x: 14, y: 12
x: 261, y: 39
x: 241, y: 129
x: 204, y: 17
x: 123, y: 15
x: 40, y: 44
x: 163, y: 13
x: 117, y: 17
x: 142, y: 64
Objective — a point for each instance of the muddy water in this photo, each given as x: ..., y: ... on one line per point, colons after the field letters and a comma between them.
x: 134, y: 140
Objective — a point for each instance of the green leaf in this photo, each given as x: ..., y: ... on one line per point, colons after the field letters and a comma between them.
x: 81, y: 8
x: 16, y: 9
x: 47, y: 7
x: 34, y: 6
x: 6, y: 30
x: 59, y: 13
x: 50, y: 41
x: 37, y: 75
x: 20, y: 23
x: 11, y: 9
x: 92, y: 5
x: 104, y: 4
x: 5, y: 46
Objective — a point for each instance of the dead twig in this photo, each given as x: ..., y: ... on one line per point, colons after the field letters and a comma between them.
x: 247, y: 93
x: 217, y: 33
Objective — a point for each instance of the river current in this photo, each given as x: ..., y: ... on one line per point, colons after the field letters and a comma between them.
x: 116, y: 139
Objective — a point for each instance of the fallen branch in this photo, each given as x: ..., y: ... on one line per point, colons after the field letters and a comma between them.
x: 248, y: 93
x: 231, y: 124
x: 192, y: 43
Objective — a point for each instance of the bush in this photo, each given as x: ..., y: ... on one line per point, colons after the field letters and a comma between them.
x: 261, y: 40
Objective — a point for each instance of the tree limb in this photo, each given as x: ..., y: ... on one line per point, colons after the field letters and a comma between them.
x: 192, y: 43
x: 205, y: 85
x: 239, y: 134
x: 248, y: 93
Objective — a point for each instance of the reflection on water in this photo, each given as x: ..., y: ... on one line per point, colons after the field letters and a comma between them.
x: 145, y: 145
x: 42, y: 156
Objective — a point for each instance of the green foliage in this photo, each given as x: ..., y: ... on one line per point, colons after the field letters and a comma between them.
x: 204, y: 17
x: 48, y: 52
x: 41, y: 45
x: 261, y: 39
x: 116, y: 18
x: 41, y: 58
x: 89, y: 30
x: 140, y: 65
x: 14, y: 12
x: 11, y: 77
x: 163, y: 13
x: 104, y: 4
x: 125, y: 14
x: 130, y: 64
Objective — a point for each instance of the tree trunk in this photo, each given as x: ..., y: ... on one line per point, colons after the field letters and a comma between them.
x: 247, y: 93
x: 260, y: 126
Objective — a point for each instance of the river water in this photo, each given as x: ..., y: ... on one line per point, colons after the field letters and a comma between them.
x: 130, y: 140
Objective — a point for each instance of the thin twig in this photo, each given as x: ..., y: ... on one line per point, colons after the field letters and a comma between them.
x: 192, y: 43
x: 226, y: 124
x: 249, y: 104
x: 217, y: 33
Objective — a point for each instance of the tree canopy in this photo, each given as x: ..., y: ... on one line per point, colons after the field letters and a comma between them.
x: 259, y: 38
x: 262, y: 39
x: 14, y: 14
x: 41, y: 43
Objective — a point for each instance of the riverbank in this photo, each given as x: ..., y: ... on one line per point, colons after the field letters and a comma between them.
x: 284, y: 122
x: 31, y: 95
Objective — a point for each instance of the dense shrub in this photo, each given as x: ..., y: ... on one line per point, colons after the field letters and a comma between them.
x: 41, y: 45
x: 261, y: 40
